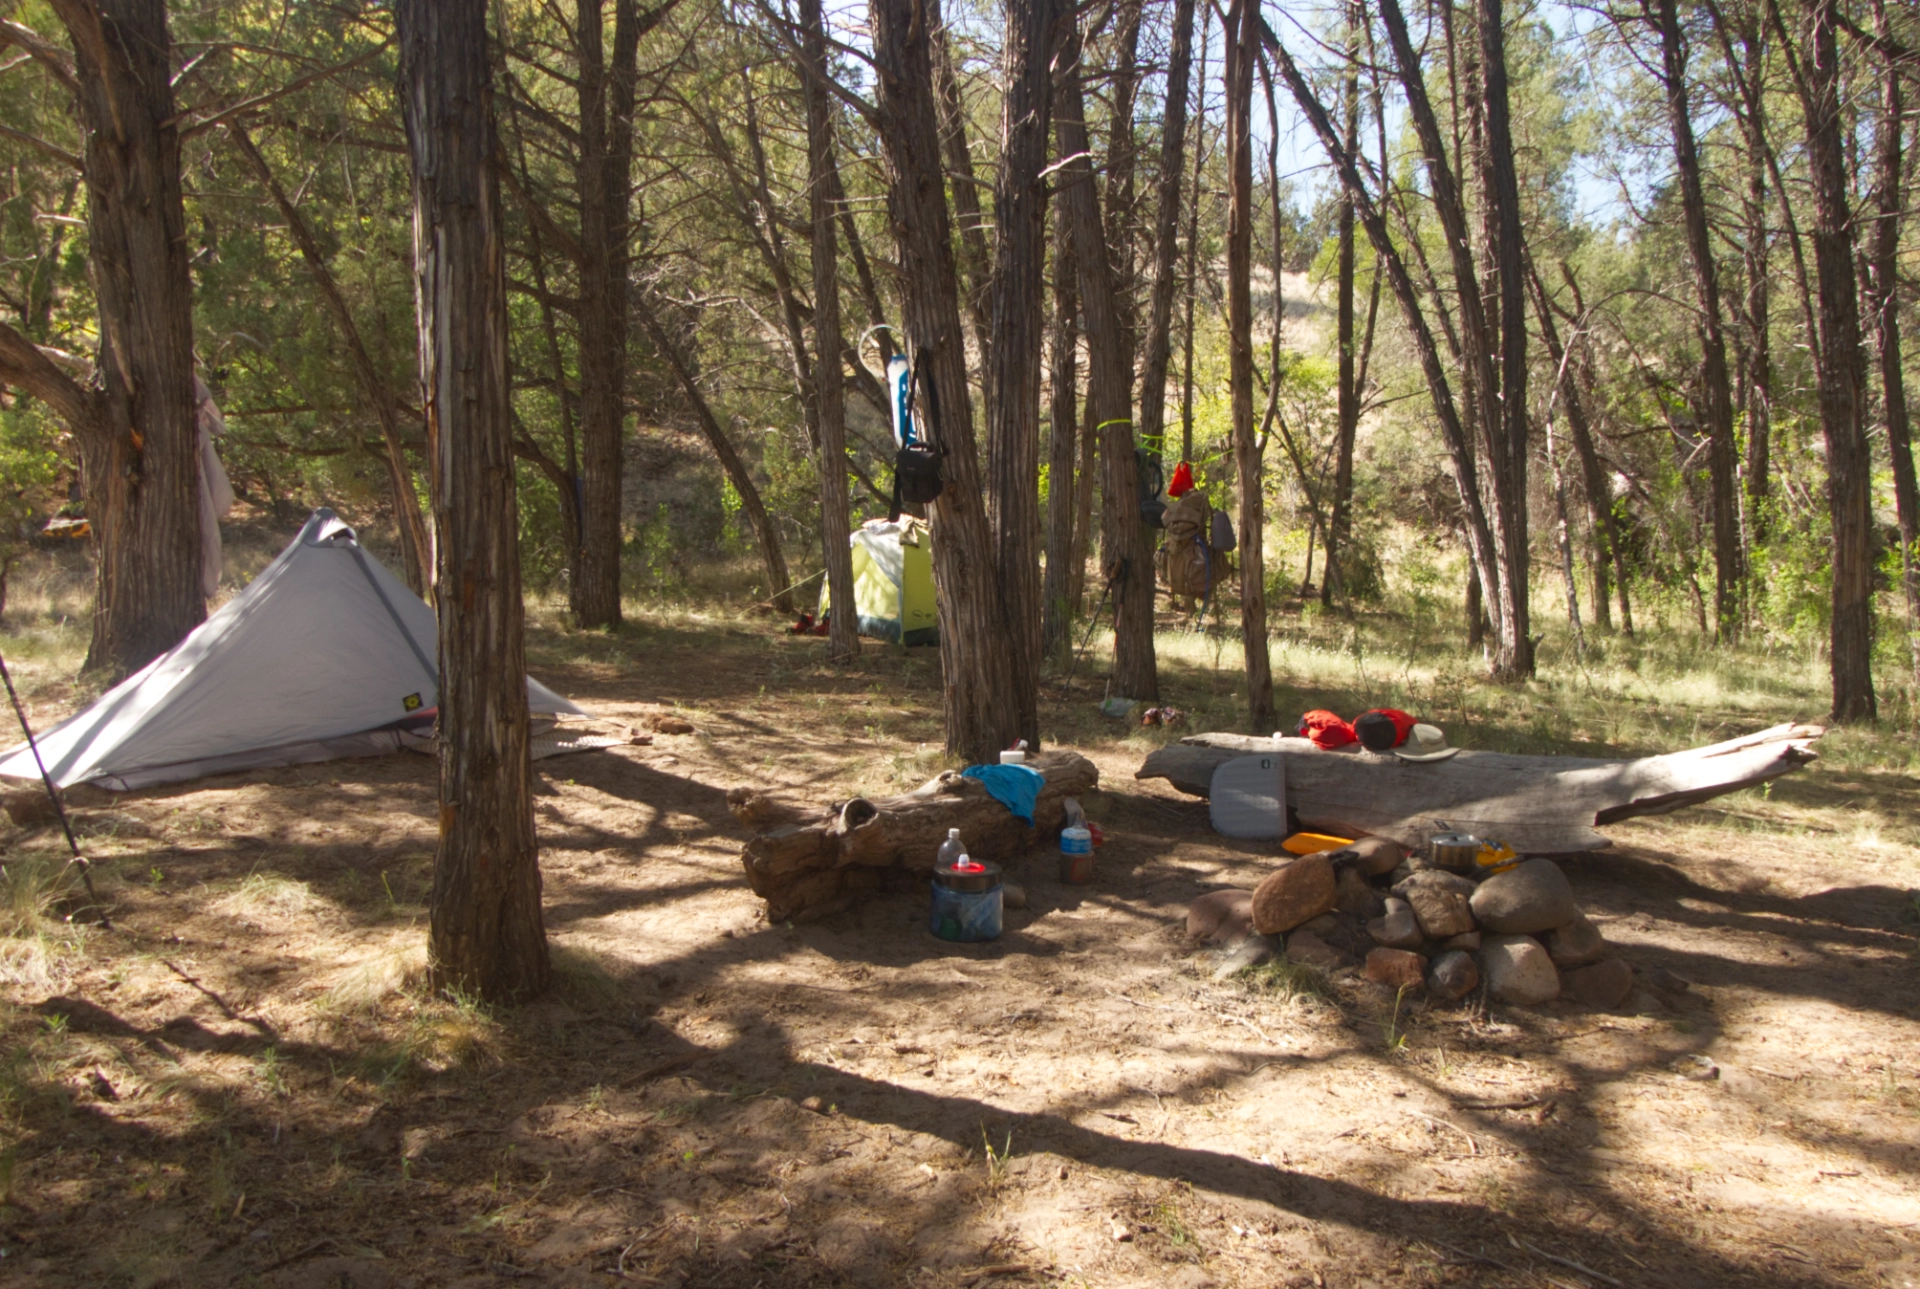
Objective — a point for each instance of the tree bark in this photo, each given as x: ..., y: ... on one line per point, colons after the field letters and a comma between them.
x: 140, y: 454
x: 603, y: 166
x: 1158, y: 344
x: 1840, y: 373
x: 736, y: 469
x: 1058, y: 594
x: 1125, y: 563
x: 1242, y: 35
x: 829, y: 391
x: 983, y: 714
x: 486, y: 937
x: 1716, y: 386
x: 1013, y: 363
x: 1536, y: 804
x: 415, y: 548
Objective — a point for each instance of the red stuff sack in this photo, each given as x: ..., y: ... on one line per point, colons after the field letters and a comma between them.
x: 1326, y: 730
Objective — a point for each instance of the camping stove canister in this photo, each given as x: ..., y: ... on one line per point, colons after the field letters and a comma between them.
x: 966, y: 902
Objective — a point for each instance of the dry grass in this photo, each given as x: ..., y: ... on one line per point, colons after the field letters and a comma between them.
x: 250, y: 1070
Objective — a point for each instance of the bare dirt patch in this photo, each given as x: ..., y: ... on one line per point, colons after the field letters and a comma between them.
x: 242, y: 1083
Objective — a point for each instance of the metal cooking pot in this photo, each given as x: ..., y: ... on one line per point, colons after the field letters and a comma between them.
x: 1455, y: 850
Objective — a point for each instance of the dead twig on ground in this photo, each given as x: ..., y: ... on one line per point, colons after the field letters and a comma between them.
x: 1471, y: 1257
x: 1523, y: 1103
x: 1568, y: 1263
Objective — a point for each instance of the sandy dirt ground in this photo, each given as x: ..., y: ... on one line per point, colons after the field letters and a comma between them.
x: 242, y: 1082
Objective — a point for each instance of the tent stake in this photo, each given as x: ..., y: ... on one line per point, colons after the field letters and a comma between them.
x: 53, y: 793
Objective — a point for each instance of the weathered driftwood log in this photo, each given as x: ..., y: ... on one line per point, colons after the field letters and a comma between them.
x: 1542, y: 805
x: 819, y: 867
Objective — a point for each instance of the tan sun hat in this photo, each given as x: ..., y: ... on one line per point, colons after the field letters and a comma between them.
x: 1425, y: 743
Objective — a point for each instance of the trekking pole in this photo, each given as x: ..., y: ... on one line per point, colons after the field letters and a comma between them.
x: 1093, y: 622
x: 86, y: 869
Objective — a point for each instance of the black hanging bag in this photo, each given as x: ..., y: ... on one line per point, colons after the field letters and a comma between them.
x: 1153, y: 511
x: 916, y: 466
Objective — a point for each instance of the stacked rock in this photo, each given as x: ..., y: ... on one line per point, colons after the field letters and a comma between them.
x: 1518, y: 930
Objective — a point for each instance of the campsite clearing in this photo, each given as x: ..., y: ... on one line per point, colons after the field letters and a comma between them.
x: 243, y: 1084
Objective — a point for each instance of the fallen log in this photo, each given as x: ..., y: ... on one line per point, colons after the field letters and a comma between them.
x: 807, y: 870
x: 1539, y: 805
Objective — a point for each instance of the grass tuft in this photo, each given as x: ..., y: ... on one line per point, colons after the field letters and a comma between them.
x: 1286, y: 980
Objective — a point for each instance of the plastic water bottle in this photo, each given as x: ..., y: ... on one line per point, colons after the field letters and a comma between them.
x: 952, y: 850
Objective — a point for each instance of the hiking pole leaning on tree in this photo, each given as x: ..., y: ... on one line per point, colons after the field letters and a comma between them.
x: 79, y: 860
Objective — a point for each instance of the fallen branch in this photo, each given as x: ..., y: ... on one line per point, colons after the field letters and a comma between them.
x: 1540, y: 805
x: 809, y: 870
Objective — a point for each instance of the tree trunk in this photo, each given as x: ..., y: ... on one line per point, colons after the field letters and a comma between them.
x: 1592, y: 468
x: 1124, y: 558
x: 983, y: 713
x: 415, y: 549
x: 829, y: 391
x: 1840, y: 374
x: 604, y: 169
x: 1084, y: 489
x: 1503, y: 565
x: 1476, y: 612
x: 1593, y: 476
x: 1013, y: 363
x: 736, y: 469
x: 1166, y: 234
x: 1883, y: 275
x: 1063, y: 415
x: 1241, y: 38
x: 1540, y: 805
x: 1716, y: 387
x: 1122, y: 154
x: 1513, y: 659
x: 486, y: 938
x: 1189, y: 276
x: 1347, y: 411
x: 140, y: 454
x: 974, y: 257
x: 1756, y: 397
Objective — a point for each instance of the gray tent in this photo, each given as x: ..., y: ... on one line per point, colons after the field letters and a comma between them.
x: 325, y: 654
